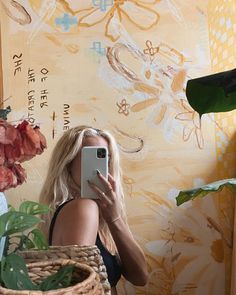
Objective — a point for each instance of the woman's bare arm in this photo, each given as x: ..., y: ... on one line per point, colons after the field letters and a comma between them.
x: 132, y: 257
x: 133, y: 262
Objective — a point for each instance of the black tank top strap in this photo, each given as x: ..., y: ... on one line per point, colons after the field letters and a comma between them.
x: 51, y: 227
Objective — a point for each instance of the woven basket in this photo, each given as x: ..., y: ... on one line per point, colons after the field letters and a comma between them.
x: 89, y: 255
x: 86, y: 280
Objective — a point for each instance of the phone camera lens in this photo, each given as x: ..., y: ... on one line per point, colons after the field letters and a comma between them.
x: 101, y: 153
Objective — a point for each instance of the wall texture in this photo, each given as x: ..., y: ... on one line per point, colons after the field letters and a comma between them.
x: 122, y: 65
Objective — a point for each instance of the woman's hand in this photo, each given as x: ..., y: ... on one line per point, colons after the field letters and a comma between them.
x: 133, y: 262
x: 107, y: 198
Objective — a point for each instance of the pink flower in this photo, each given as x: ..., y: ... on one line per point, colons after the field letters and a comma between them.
x: 7, y: 178
x: 2, y: 154
x: 33, y: 141
x: 19, y: 172
x: 8, y: 132
x: 11, y: 176
x: 42, y: 140
x: 17, y: 144
x: 14, y: 152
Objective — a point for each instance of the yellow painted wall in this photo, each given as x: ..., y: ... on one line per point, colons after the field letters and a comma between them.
x: 122, y: 65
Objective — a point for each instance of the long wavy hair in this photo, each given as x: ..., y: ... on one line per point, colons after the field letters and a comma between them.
x: 59, y: 186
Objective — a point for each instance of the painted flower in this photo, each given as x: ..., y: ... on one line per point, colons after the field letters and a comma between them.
x: 136, y: 11
x: 126, y: 288
x: 205, y: 245
x: 195, y: 244
x: 193, y: 118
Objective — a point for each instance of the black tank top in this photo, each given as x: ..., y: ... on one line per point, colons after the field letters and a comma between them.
x: 112, y: 266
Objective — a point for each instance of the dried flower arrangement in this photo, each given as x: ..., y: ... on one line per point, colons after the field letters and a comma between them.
x: 17, y: 144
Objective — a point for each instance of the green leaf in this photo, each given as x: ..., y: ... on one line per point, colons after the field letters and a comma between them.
x: 5, y: 112
x: 11, y: 208
x: 213, y: 93
x: 33, y: 208
x: 14, y: 222
x: 23, y: 242
x: 27, y: 243
x: 7, y: 246
x: 14, y: 273
x: 61, y: 279
x: 38, y: 239
x: 204, y: 190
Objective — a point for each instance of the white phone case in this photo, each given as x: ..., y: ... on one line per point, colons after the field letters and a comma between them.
x: 90, y: 162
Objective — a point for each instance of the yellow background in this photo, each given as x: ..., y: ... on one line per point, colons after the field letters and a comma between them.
x: 123, y: 66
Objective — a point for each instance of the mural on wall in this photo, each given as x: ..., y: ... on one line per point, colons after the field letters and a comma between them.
x: 122, y: 65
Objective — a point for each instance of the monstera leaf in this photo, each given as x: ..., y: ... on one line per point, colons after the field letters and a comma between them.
x: 14, y: 222
x: 33, y: 208
x: 14, y: 273
x: 202, y: 191
x: 38, y: 239
x: 213, y: 93
x: 19, y: 231
x: 61, y: 279
x: 19, y: 228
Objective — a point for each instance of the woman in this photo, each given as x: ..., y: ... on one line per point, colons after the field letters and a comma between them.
x: 82, y: 221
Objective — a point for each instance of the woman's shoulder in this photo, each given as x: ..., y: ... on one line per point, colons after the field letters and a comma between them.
x: 77, y: 223
x: 79, y: 205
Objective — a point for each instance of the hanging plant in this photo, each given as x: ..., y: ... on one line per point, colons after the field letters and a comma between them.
x: 209, y: 94
x: 213, y: 93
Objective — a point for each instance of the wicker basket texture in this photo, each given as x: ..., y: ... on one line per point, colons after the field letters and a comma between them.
x: 89, y: 255
x: 85, y: 280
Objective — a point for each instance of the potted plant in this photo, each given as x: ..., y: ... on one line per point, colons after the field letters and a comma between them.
x: 18, y: 229
x: 211, y: 94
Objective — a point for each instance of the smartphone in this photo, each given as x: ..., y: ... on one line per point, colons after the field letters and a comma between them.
x: 93, y: 158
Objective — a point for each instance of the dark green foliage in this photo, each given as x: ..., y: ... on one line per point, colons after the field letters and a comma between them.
x: 19, y: 229
x: 5, y: 112
x: 15, y: 276
x: 16, y: 225
x: 38, y: 239
x: 213, y: 93
x: 61, y: 279
x: 15, y: 222
x: 14, y: 273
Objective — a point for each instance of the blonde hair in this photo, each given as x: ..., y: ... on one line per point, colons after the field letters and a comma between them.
x: 58, y: 186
